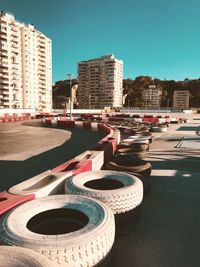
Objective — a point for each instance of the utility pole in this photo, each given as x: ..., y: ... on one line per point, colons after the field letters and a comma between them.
x: 70, y: 85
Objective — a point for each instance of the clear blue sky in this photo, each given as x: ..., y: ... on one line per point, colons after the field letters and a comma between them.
x: 159, y: 38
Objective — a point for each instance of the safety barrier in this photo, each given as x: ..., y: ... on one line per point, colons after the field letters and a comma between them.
x: 94, y: 126
x: 97, y: 158
x: 44, y: 184
x: 51, y: 181
x: 6, y: 117
x: 9, y: 201
x: 150, y: 119
x: 108, y: 145
x: 74, y: 166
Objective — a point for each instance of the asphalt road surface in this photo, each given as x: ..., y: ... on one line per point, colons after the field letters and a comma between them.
x: 164, y: 231
x: 27, y: 149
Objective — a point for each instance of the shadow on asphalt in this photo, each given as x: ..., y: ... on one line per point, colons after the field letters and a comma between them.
x: 184, y: 139
x: 189, y: 128
x: 188, y: 163
x: 14, y: 172
x: 165, y: 229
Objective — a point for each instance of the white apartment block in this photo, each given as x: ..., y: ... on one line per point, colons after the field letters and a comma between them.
x: 25, y: 66
x: 181, y: 99
x: 151, y: 96
x: 100, y: 83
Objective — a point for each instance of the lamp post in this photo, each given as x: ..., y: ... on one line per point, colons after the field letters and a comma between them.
x: 167, y: 105
x: 89, y: 102
x: 70, y: 103
x: 146, y: 106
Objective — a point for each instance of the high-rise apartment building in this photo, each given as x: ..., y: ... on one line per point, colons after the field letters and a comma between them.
x: 181, y: 99
x: 151, y: 96
x: 25, y: 66
x: 100, y: 82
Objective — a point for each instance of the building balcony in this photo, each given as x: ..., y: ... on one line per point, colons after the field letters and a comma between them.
x: 3, y: 47
x: 42, y: 59
x: 42, y: 75
x: 41, y: 79
x: 4, y: 87
x: 41, y: 37
x: 3, y: 20
x: 4, y: 62
x: 4, y: 81
x: 15, y: 28
x: 4, y: 78
x: 6, y: 98
x: 41, y: 65
x: 42, y: 70
x: 4, y: 54
x: 16, y: 78
x: 42, y: 91
x: 15, y: 33
x: 15, y: 45
x: 41, y: 54
x: 4, y: 92
x: 41, y: 62
x: 3, y: 31
x: 4, y: 69
x: 15, y: 50
x: 42, y: 87
x: 3, y: 37
x: 15, y: 67
x: 42, y: 50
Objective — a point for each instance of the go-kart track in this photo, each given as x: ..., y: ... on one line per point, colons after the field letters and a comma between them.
x: 121, y: 227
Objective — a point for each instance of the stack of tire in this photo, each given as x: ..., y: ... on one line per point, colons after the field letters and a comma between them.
x: 159, y: 127
x: 73, y: 229
x: 130, y: 155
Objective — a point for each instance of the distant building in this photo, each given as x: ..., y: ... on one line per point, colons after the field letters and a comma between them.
x: 61, y: 93
x: 100, y: 83
x: 25, y: 66
x: 152, y: 96
x: 181, y: 99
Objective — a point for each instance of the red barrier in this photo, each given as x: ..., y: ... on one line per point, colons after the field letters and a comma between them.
x: 47, y: 121
x: 74, y: 166
x: 106, y: 128
x: 146, y: 119
x: 167, y: 119
x: 12, y: 119
x: 9, y: 201
x: 107, y: 148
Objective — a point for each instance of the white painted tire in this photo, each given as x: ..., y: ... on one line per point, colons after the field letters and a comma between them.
x: 136, y: 141
x: 158, y: 129
x: 120, y: 200
x: 83, y: 247
x: 12, y: 256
